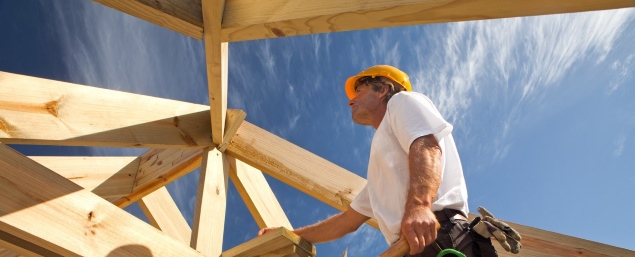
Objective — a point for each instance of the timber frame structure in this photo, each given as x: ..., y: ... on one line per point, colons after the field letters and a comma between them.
x: 79, y: 213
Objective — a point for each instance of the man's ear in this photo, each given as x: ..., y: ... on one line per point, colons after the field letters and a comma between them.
x: 383, y: 91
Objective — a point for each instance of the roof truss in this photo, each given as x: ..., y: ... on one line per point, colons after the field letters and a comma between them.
x: 184, y: 135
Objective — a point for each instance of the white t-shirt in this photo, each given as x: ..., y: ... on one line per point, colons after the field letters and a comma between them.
x: 409, y: 116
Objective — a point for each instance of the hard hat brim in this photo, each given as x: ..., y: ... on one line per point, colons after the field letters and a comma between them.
x: 349, y: 86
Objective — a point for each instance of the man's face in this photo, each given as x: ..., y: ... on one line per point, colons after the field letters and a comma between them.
x: 366, y: 105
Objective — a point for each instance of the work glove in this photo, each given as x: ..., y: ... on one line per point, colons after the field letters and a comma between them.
x: 488, y: 226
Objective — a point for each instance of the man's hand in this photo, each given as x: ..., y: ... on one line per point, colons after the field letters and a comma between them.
x: 419, y: 228
x: 265, y: 230
x: 489, y: 226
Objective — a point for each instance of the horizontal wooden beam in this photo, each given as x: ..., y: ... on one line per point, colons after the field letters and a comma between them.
x: 271, y: 242
x: 245, y: 19
x: 69, y: 220
x: 42, y: 111
x: 107, y: 177
x: 249, y: 20
x: 163, y: 214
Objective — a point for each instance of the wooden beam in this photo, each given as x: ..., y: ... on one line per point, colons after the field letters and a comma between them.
x: 249, y: 20
x: 270, y: 242
x: 255, y: 191
x: 43, y: 111
x: 71, y: 221
x: 211, y: 201
x: 295, y: 166
x: 181, y: 16
x: 159, y: 167
x: 164, y: 215
x: 287, y: 251
x: 9, y: 253
x: 542, y: 243
x: 246, y: 19
x: 15, y: 246
x: 107, y: 177
x: 216, y: 62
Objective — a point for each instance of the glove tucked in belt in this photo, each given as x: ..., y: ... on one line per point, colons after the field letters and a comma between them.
x: 488, y: 226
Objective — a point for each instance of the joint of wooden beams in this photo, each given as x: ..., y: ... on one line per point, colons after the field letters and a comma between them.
x: 235, y: 118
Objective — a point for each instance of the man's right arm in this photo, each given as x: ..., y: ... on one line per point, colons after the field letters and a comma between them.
x: 330, y: 229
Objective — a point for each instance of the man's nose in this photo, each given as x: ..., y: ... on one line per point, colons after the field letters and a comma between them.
x: 350, y: 103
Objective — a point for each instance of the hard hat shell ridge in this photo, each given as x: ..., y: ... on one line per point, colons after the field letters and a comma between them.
x: 378, y: 70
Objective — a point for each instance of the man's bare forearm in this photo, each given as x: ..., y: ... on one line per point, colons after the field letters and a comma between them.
x: 418, y: 225
x: 425, y: 171
x: 332, y: 228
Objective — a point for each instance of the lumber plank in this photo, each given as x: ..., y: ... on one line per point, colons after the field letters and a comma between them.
x: 181, y: 16
x: 250, y: 20
x: 11, y: 245
x: 216, y: 61
x: 211, y: 202
x: 295, y: 166
x: 42, y: 111
x: 159, y: 167
x: 71, y: 221
x: 287, y: 251
x: 257, y: 195
x: 541, y: 243
x: 107, y: 177
x: 9, y: 253
x: 270, y: 242
x: 163, y: 214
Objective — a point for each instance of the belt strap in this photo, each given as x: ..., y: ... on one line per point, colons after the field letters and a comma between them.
x: 449, y: 214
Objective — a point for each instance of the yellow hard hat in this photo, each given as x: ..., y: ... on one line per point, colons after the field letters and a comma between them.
x: 378, y: 70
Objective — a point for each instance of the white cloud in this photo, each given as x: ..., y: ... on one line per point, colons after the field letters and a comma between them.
x: 619, y: 145
x: 624, y: 70
x: 517, y: 61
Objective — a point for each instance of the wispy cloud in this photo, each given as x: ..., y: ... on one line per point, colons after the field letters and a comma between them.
x: 518, y: 61
x: 624, y: 70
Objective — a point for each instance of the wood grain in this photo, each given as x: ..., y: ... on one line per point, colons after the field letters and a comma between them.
x: 71, y: 221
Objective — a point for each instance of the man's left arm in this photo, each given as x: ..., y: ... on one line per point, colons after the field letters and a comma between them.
x: 418, y: 225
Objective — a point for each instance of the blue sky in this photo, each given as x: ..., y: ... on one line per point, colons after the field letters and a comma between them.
x: 541, y: 106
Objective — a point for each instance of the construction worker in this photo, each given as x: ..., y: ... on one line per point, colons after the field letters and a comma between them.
x: 415, y: 178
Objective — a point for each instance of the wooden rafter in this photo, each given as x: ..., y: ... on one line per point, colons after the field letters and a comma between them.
x: 181, y: 16
x: 163, y: 214
x: 107, y: 177
x: 211, y: 201
x: 257, y: 195
x: 71, y: 221
x: 216, y: 62
x: 295, y: 166
x: 248, y: 20
x: 542, y: 243
x: 49, y: 112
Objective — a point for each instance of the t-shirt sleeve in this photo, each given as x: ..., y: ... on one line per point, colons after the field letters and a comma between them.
x: 361, y: 203
x: 414, y: 116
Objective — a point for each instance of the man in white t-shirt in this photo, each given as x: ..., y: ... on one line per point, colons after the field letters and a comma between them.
x: 415, y: 179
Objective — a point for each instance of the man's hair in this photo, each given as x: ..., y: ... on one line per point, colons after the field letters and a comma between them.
x: 377, y: 82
